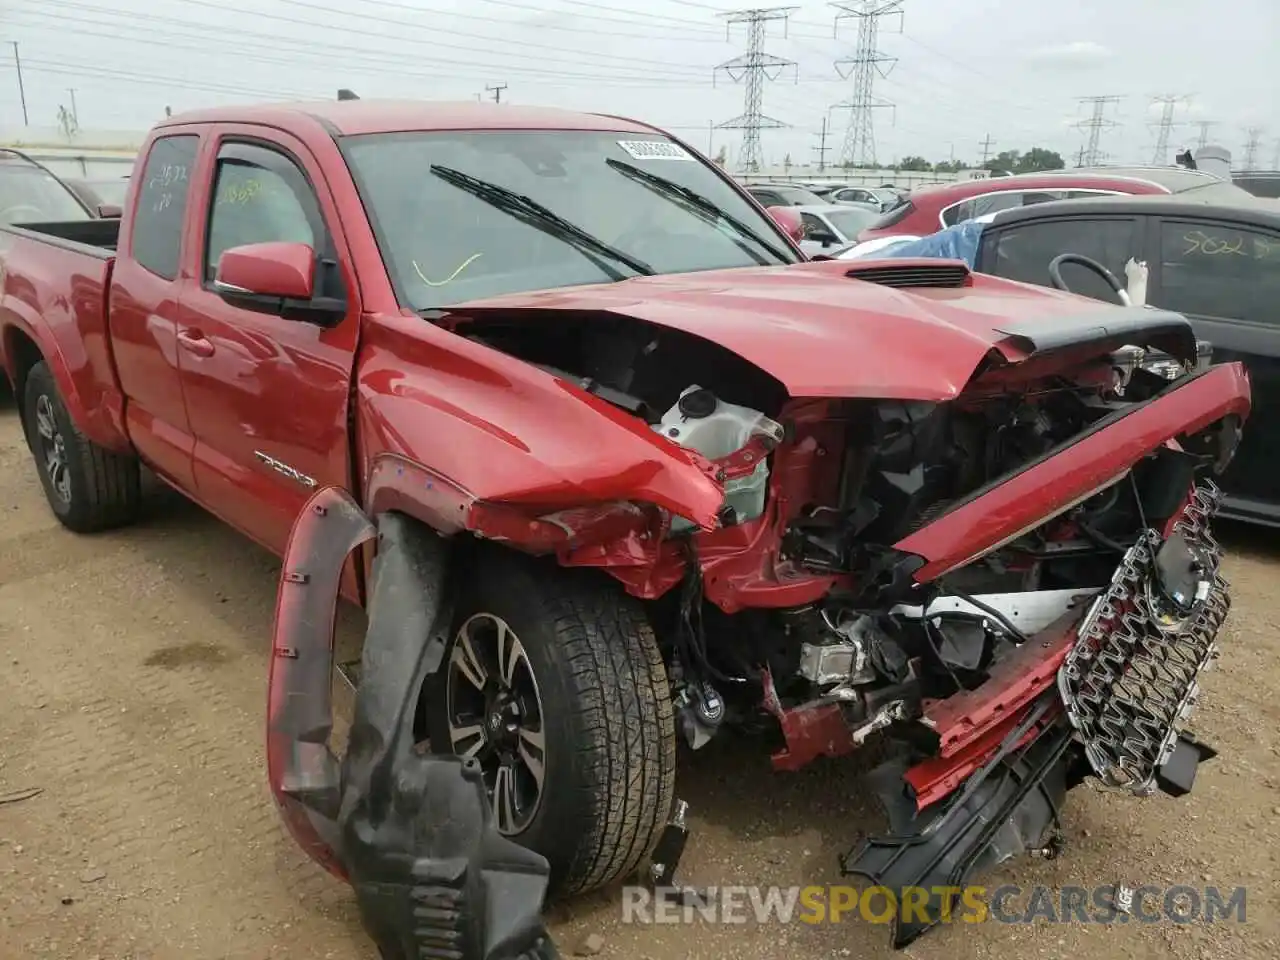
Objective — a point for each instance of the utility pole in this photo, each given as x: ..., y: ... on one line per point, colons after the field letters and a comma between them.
x: 22, y: 93
x: 496, y: 90
x: 1251, y: 148
x: 1275, y: 157
x: 1204, y: 125
x: 863, y: 66
x: 1092, y: 154
x: 821, y: 149
x: 75, y: 114
x: 987, y: 144
x: 1168, y: 104
x: 755, y: 66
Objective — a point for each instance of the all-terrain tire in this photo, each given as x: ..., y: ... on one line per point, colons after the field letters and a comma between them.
x: 610, y: 758
x: 104, y: 489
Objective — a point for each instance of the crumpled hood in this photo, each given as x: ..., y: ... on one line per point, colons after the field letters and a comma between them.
x: 823, y: 334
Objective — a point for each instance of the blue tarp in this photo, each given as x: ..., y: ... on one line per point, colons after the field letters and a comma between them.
x: 954, y: 243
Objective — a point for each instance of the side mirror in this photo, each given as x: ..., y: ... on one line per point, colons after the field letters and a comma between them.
x: 277, y: 278
x: 271, y: 271
x: 788, y: 220
x: 109, y: 211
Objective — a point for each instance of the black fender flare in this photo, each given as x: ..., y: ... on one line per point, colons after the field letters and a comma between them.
x: 413, y: 833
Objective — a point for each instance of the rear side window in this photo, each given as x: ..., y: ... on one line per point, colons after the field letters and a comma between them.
x: 162, y: 204
x: 1220, y: 270
x: 1024, y: 253
x: 768, y: 199
x: 995, y: 202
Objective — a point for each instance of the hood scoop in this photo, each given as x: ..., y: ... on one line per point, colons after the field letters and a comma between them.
x: 948, y: 274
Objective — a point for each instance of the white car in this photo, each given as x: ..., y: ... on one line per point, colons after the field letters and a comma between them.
x: 831, y: 227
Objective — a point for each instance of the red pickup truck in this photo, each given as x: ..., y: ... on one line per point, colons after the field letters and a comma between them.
x: 610, y: 466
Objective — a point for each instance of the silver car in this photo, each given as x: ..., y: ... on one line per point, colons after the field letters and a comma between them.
x: 833, y: 226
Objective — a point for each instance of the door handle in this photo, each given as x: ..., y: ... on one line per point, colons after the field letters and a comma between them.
x: 195, y: 343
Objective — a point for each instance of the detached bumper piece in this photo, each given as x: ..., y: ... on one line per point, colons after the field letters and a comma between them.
x: 413, y: 833
x: 1132, y: 679
x: 1010, y: 806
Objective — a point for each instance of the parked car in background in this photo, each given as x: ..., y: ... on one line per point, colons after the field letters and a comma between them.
x: 31, y: 193
x: 1216, y: 263
x: 832, y: 226
x: 101, y: 191
x: 931, y: 208
x: 878, y: 198
x: 783, y: 195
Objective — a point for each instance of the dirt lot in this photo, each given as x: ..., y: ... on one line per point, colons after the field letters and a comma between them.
x: 132, y: 675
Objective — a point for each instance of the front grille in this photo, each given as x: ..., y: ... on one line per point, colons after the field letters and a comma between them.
x: 1131, y: 679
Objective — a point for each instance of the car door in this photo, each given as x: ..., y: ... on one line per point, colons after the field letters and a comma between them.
x: 268, y: 395
x: 1225, y: 277
x: 1023, y: 250
x: 146, y: 287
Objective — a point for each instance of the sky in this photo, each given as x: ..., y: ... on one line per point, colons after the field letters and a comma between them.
x: 958, y: 72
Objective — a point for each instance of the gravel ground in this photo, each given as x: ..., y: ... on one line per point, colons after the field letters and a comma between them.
x: 133, y: 685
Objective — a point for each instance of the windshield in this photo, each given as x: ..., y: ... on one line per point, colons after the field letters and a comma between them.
x: 850, y: 222
x: 445, y: 245
x: 32, y: 195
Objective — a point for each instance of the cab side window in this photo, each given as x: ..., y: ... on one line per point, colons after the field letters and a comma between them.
x: 1219, y: 270
x: 162, y: 204
x: 260, y: 196
x: 1023, y: 252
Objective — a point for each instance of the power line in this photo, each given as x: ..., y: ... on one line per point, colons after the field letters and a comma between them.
x: 864, y: 65
x: 822, y: 149
x: 1092, y: 154
x: 22, y: 93
x: 1251, y: 148
x: 755, y: 66
x: 986, y: 149
x: 496, y: 90
x: 1203, y: 139
x: 1168, y: 104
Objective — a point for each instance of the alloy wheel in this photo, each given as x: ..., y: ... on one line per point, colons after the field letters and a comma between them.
x: 495, y: 717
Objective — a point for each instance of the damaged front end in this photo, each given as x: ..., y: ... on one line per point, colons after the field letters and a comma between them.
x: 413, y: 833
x: 1103, y: 692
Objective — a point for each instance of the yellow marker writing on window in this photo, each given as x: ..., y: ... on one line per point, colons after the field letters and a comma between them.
x: 449, y: 279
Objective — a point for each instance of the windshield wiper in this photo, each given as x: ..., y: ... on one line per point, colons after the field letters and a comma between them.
x: 700, y: 204
x: 542, y: 218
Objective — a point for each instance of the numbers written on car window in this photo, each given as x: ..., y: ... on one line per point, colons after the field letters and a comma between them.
x: 1219, y: 243
x: 1220, y: 270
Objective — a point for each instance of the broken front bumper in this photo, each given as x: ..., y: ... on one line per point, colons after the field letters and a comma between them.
x: 1127, y: 677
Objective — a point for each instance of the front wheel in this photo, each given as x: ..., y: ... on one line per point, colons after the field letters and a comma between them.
x: 88, y: 488
x: 554, y: 683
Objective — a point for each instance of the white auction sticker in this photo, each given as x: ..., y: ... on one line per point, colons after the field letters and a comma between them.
x: 655, y: 150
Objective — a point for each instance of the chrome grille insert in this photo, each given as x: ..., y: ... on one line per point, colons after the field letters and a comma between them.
x: 1131, y: 680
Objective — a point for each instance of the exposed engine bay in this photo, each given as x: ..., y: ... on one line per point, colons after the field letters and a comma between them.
x: 823, y: 489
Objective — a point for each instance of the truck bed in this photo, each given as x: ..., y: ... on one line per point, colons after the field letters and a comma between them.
x: 98, y: 237
x: 55, y: 280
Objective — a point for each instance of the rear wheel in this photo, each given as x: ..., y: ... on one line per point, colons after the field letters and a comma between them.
x: 88, y: 488
x: 554, y: 683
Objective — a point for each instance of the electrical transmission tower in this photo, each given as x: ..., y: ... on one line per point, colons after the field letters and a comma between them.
x: 822, y: 149
x: 863, y: 66
x: 755, y: 67
x: 1092, y: 154
x: 987, y: 144
x: 1203, y: 139
x: 1168, y: 104
x: 1251, y: 148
